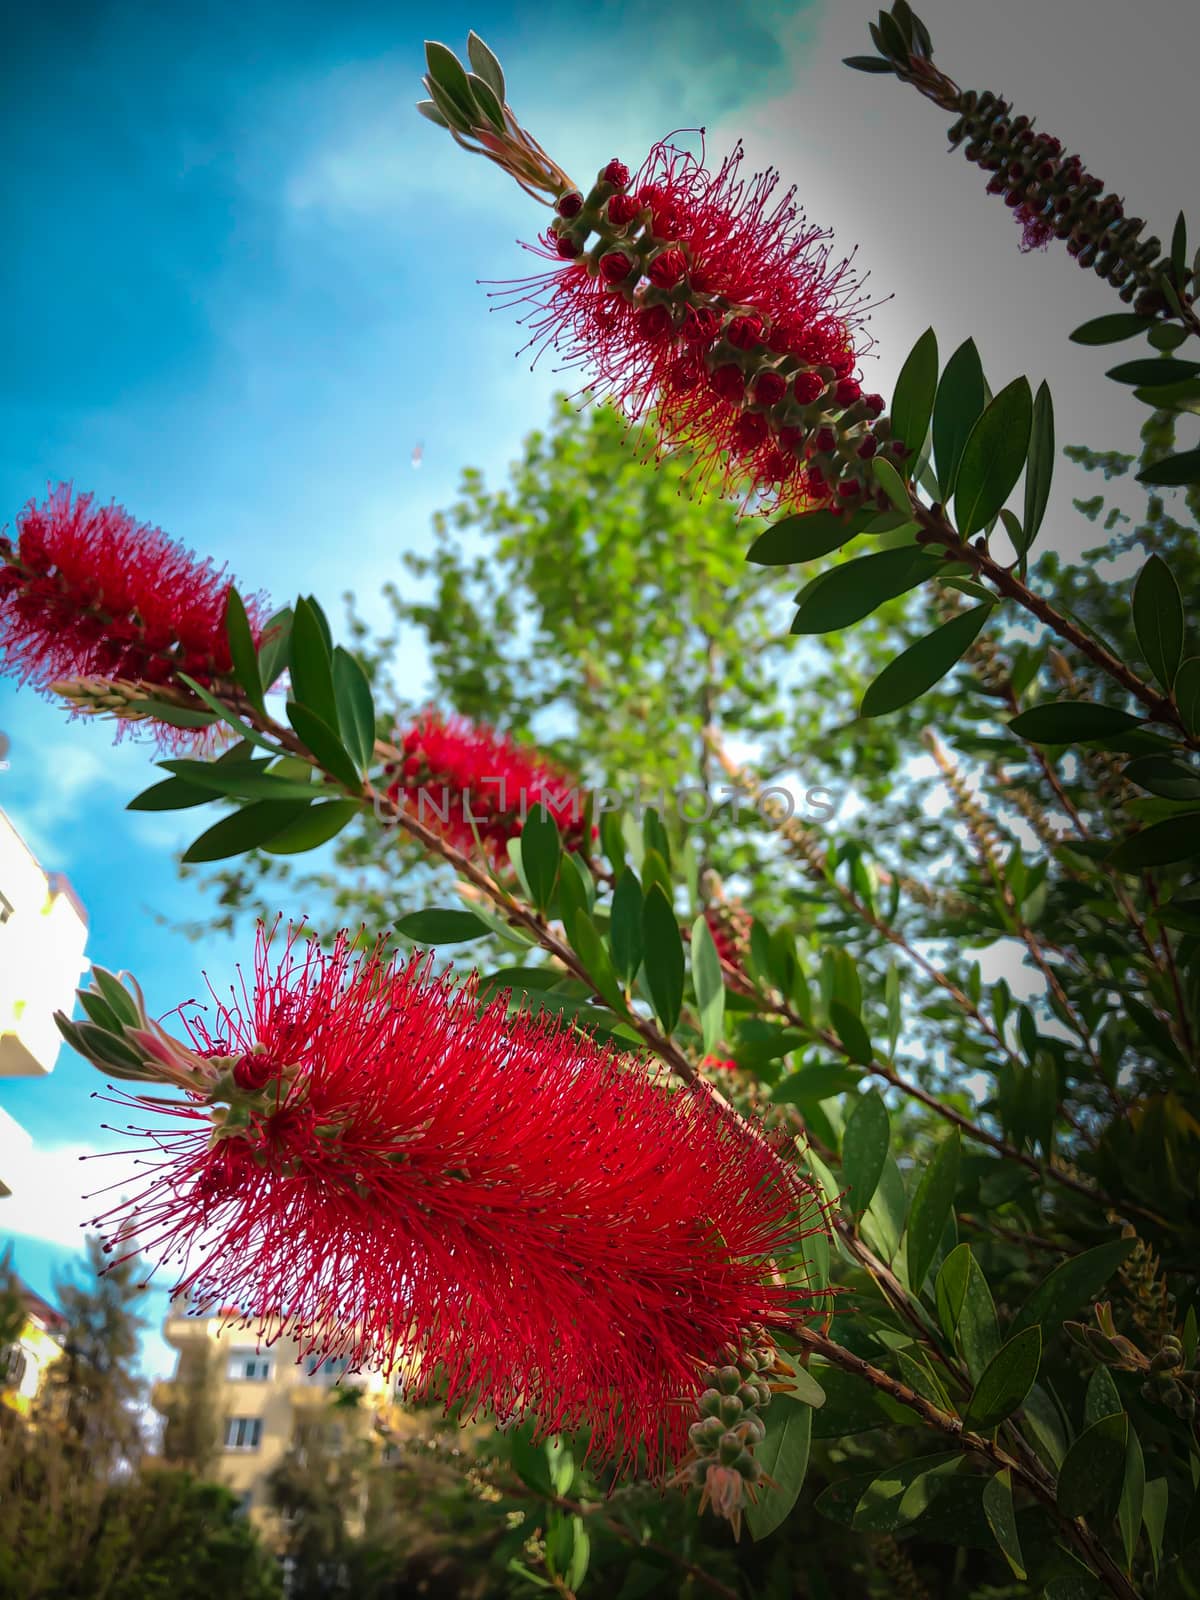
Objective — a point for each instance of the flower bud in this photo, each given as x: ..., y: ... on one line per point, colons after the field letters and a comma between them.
x: 667, y: 269
x: 744, y: 332
x: 729, y: 382
x: 566, y: 247
x: 807, y: 387
x: 615, y: 267
x: 770, y: 389
x: 622, y: 208
x: 570, y: 205
x: 847, y: 392
x: 616, y: 173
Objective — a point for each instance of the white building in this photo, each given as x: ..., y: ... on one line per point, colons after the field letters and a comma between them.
x: 43, y: 934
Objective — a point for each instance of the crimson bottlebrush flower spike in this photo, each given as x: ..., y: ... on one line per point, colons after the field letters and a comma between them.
x: 401, y: 1176
x: 465, y: 780
x: 105, y: 611
x: 703, y: 297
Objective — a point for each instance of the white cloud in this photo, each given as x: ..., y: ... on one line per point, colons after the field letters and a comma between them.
x: 56, y: 1189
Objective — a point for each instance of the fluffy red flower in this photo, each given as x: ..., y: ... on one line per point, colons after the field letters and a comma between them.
x: 88, y: 593
x: 732, y: 323
x: 535, y: 1225
x: 456, y: 773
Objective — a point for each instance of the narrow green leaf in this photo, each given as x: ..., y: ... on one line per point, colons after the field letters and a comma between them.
x: 1173, y: 471
x: 241, y: 648
x: 447, y: 73
x: 852, y: 591
x: 966, y: 1309
x: 819, y: 1082
x: 1175, y: 839
x: 900, y: 1493
x: 865, y: 1148
x: 931, y: 1209
x: 1132, y: 1504
x: 625, y: 926
x: 1158, y: 619
x: 243, y: 730
x: 313, y: 828
x: 1039, y: 471
x: 428, y: 109
x: 486, y: 65
x: 912, y: 403
x: 252, y: 826
x: 892, y: 484
x: 783, y: 1457
x: 355, y: 707
x: 592, y: 952
x: 173, y: 795
x: 1094, y: 1468
x: 883, y: 1225
x: 1002, y: 1520
x: 1111, y: 329
x: 803, y: 537
x: 541, y: 847
x: 485, y: 100
x: 244, y: 780
x: 1187, y: 693
x: 851, y: 1032
x: 959, y: 402
x: 120, y: 1001
x: 1154, y: 1517
x: 805, y: 1387
x: 273, y: 650
x: 1165, y: 776
x: 709, y: 985
x: 435, y: 926
x: 1072, y: 1284
x: 1154, y: 370
x: 923, y: 664
x: 1008, y: 1378
x: 310, y: 664
x: 324, y: 745
x: 663, y: 957
x: 868, y: 64
x: 1071, y: 721
x: 993, y: 457
x: 1101, y: 1398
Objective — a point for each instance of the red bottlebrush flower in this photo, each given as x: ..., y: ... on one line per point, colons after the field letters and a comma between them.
x: 744, y: 269
x: 616, y: 173
x: 614, y: 266
x: 89, y: 593
x: 540, y: 1227
x: 770, y: 389
x: 456, y: 773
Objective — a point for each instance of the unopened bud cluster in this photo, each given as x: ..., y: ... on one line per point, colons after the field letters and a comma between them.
x: 730, y: 1425
x: 111, y: 697
x: 1167, y: 1377
x: 1056, y: 198
x: 797, y: 396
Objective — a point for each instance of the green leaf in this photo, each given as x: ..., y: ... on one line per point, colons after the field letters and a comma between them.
x: 1006, y: 1381
x: 804, y: 537
x: 273, y: 650
x: 428, y: 108
x: 709, y: 985
x: 1071, y: 1285
x: 541, y: 848
x: 1154, y: 370
x: 850, y: 1031
x: 446, y: 71
x: 852, y: 591
x: 589, y: 946
x: 912, y: 404
x: 355, y: 707
x: 892, y: 484
x: 314, y: 827
x: 310, y: 665
x: 241, y: 648
x: 805, y: 1387
x: 173, y: 795
x: 819, y: 1082
x: 120, y: 1001
x: 188, y: 718
x: 1187, y: 693
x: 1101, y: 1398
x: 252, y: 826
x: 919, y: 667
x: 1158, y: 619
x: 902, y: 1492
x: 868, y: 63
x: 245, y: 780
x: 324, y: 745
x: 625, y: 926
x: 435, y: 926
x: 1132, y: 1504
x: 1154, y: 1517
x: 1039, y: 471
x: 865, y: 1148
x: 1071, y: 721
x: 1165, y: 776
x: 663, y: 958
x: 883, y: 1224
x: 1094, y: 1468
x: 966, y: 1310
x: 1111, y: 329
x: 783, y: 1457
x: 931, y: 1209
x: 486, y: 65
x: 1173, y: 471
x: 1002, y: 1520
x: 1175, y: 839
x: 959, y: 401
x: 993, y: 457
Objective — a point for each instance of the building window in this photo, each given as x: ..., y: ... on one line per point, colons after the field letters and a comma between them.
x: 328, y: 1369
x: 243, y: 1433
x: 247, y: 1366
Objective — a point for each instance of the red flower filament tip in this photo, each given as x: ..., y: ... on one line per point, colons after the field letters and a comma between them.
x: 532, y: 1225
x: 463, y: 779
x: 106, y: 607
x: 707, y: 299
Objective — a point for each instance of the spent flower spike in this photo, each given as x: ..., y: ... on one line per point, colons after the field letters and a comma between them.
x: 401, y: 1176
x: 707, y: 304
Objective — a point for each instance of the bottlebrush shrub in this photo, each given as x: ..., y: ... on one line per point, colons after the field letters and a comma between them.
x: 102, y: 609
x: 398, y: 1174
x: 464, y: 779
x: 707, y: 300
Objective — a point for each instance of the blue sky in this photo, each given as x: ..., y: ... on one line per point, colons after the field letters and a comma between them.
x: 239, y: 284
